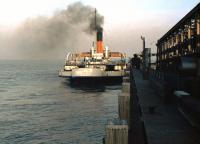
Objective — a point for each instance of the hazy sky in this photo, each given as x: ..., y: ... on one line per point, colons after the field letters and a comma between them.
x: 125, y: 20
x: 13, y: 12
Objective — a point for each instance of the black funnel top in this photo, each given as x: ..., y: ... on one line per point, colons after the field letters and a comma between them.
x: 100, y: 35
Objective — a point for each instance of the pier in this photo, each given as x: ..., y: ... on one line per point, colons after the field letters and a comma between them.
x: 149, y: 119
x: 163, y: 124
x: 161, y: 104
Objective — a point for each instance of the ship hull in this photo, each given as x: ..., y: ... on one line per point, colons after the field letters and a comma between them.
x: 96, y: 80
x: 92, y: 76
x: 92, y: 73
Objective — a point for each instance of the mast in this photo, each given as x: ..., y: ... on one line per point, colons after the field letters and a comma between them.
x: 95, y: 19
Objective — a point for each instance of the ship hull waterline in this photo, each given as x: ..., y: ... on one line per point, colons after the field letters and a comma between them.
x: 92, y: 75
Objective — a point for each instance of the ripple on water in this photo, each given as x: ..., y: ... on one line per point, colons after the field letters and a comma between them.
x: 1, y: 91
x: 38, y: 107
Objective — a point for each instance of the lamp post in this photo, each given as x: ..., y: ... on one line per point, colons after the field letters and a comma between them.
x: 143, y: 39
x: 144, y: 73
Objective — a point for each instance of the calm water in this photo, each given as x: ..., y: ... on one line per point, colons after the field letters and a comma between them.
x: 37, y: 106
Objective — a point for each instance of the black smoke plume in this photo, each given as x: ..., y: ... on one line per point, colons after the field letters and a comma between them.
x: 67, y: 30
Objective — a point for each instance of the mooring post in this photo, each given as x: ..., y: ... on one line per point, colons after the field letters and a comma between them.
x: 127, y: 73
x: 126, y: 79
x: 124, y: 100
x: 124, y: 106
x: 126, y: 87
x: 116, y: 132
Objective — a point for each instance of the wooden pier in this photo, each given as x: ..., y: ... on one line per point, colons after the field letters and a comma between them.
x: 163, y: 124
x: 152, y: 106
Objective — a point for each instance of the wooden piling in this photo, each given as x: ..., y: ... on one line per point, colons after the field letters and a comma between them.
x: 116, y: 133
x: 124, y: 106
x: 127, y: 73
x: 126, y: 79
x: 126, y: 87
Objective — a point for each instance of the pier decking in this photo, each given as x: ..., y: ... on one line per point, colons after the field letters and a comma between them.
x: 163, y: 123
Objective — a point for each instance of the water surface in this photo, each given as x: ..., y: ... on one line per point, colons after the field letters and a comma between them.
x: 37, y: 106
